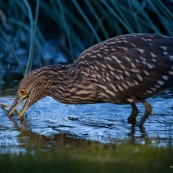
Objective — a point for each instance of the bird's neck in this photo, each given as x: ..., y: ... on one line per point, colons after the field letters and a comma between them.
x: 72, y: 86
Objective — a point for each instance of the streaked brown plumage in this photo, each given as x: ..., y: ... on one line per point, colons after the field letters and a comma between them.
x: 123, y: 70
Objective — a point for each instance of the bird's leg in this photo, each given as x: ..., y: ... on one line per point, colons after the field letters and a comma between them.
x: 148, y: 110
x: 134, y: 114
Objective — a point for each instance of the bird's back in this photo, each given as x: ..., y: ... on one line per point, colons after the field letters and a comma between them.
x: 133, y: 66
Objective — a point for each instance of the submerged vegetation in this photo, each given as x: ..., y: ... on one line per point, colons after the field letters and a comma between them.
x: 37, y: 33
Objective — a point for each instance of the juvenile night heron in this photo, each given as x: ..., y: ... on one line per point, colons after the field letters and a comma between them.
x: 124, y: 70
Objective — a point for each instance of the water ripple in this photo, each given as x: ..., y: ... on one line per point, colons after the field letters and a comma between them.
x: 106, y: 123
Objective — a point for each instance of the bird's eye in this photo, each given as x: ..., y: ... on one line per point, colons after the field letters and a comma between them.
x: 23, y: 92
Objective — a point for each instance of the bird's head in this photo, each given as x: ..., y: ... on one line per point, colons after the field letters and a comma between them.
x: 32, y: 88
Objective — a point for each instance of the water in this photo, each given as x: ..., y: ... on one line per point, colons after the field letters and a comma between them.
x: 48, y: 122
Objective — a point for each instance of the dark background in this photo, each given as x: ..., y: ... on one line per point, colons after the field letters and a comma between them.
x: 36, y: 33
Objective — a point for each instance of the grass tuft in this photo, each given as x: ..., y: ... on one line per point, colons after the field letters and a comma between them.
x: 93, y: 158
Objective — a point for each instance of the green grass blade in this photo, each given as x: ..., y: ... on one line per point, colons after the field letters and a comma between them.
x: 33, y: 26
x: 86, y: 20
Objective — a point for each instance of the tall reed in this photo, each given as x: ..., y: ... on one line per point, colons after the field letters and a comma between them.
x: 78, y: 24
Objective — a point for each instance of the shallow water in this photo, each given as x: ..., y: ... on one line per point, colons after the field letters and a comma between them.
x: 49, y: 122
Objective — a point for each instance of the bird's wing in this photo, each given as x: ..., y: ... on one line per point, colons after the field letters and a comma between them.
x: 136, y: 63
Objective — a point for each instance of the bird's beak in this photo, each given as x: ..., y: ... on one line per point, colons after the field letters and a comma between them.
x: 16, y: 103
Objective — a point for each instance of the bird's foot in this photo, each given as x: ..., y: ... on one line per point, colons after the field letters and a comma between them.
x: 135, y: 123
